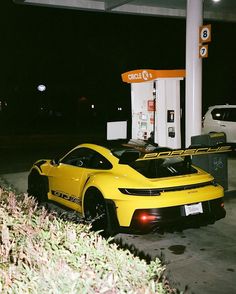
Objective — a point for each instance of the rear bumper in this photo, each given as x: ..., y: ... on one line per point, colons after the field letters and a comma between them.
x: 173, y: 218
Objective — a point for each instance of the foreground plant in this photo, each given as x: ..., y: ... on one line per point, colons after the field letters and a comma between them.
x: 42, y: 253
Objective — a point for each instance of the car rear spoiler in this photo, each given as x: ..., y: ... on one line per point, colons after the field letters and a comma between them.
x: 187, y: 152
x: 138, y: 153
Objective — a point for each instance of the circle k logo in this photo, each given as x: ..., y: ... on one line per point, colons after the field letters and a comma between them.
x: 146, y: 76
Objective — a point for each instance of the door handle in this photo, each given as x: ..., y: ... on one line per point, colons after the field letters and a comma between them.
x: 223, y: 125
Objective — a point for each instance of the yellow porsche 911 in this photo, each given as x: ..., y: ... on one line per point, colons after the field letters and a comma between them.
x: 128, y: 188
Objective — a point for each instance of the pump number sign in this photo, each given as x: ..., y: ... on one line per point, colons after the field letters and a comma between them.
x: 203, y: 51
x: 204, y: 37
x: 205, y: 34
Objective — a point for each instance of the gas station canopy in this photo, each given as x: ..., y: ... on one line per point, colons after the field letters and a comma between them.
x: 224, y: 10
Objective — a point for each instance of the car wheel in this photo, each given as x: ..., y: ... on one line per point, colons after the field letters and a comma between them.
x: 38, y: 187
x: 95, y: 211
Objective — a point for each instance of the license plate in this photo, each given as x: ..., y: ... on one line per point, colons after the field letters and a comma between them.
x: 193, y: 209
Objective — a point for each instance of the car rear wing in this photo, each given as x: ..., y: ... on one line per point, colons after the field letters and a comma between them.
x: 186, y: 152
x: 138, y: 153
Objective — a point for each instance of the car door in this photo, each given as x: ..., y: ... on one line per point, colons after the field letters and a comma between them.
x: 215, y: 121
x: 66, y: 179
x: 229, y: 124
x: 223, y: 120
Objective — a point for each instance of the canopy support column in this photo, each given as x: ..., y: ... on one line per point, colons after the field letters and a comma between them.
x: 193, y: 98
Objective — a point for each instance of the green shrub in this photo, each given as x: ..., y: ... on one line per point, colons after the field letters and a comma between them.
x: 42, y: 253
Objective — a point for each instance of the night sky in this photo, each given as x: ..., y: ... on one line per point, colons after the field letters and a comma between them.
x: 80, y: 57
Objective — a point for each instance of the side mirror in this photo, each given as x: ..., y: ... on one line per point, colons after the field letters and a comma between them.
x: 129, y: 156
x: 55, y: 162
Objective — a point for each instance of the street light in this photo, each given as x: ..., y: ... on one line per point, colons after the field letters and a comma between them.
x: 41, y: 88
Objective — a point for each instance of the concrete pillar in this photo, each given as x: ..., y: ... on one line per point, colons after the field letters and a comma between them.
x: 193, y: 98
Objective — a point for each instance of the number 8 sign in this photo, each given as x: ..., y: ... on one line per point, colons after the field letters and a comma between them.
x: 205, y: 34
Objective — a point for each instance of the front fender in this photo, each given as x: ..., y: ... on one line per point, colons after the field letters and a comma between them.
x: 42, y: 166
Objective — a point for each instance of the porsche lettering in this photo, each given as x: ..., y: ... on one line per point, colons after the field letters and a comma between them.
x: 187, y: 152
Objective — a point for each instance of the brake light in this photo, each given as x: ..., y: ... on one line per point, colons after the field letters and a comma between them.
x: 145, y: 218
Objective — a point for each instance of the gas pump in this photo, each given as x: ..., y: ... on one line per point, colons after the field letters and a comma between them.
x: 155, y: 105
x: 142, y: 107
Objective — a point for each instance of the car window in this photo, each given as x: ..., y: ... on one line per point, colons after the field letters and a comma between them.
x: 99, y: 162
x: 164, y: 167
x: 87, y: 158
x: 224, y: 114
x: 78, y: 157
x: 218, y: 114
x: 230, y: 114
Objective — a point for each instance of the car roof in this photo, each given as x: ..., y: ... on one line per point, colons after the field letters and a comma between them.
x: 222, y: 106
x: 124, y: 144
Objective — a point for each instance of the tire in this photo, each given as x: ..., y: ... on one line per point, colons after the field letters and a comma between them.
x: 38, y: 187
x: 95, y: 211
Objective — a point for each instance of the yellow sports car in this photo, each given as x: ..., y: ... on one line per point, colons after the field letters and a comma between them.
x: 128, y: 188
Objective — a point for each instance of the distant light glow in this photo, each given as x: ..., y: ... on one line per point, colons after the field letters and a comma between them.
x: 92, y: 106
x: 41, y: 88
x: 216, y: 1
x: 83, y: 99
x: 3, y: 104
x: 119, y: 108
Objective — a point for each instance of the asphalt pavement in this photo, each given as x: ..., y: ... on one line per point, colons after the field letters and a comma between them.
x: 202, y: 260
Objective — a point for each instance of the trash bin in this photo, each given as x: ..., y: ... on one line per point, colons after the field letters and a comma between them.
x: 217, y: 163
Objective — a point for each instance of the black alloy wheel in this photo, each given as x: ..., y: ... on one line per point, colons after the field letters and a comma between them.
x: 95, y: 211
x: 37, y: 187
